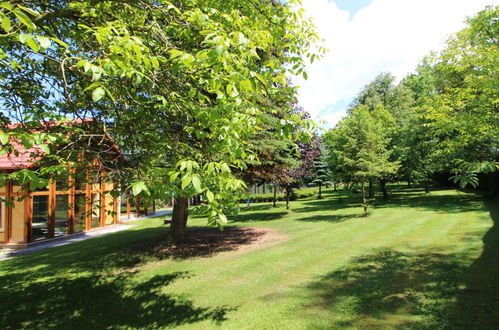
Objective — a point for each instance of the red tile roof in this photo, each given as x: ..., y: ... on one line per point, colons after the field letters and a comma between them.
x: 24, y: 159
x: 28, y: 157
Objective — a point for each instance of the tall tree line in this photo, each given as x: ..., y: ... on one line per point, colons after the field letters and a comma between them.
x: 442, y: 118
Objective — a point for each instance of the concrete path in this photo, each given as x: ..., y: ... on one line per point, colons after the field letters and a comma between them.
x: 157, y: 214
x: 9, y: 253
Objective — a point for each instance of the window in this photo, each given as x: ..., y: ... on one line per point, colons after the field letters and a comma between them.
x: 62, y: 183
x: 39, y: 227
x: 109, y: 209
x: 80, y: 180
x: 61, y: 226
x: 123, y: 203
x: 79, y: 213
x: 95, y: 211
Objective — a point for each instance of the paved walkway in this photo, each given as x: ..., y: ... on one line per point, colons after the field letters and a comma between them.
x: 9, y: 253
x: 157, y: 214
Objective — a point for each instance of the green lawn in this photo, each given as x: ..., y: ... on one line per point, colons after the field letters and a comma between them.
x: 418, y: 261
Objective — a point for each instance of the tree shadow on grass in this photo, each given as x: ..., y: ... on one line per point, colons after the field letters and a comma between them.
x: 390, y: 289
x: 92, y: 285
x: 259, y: 207
x: 402, y: 197
x: 253, y: 216
x: 421, y: 290
x: 438, y: 203
x: 327, y: 205
x: 331, y: 217
x: 100, y: 302
x: 200, y: 242
x: 477, y: 306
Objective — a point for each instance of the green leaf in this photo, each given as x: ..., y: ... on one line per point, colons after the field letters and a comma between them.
x: 219, y: 50
x: 98, y: 93
x: 60, y: 42
x: 32, y: 44
x: 246, y: 85
x: 44, y: 42
x: 44, y: 148
x: 24, y: 37
x: 210, y: 196
x: 138, y: 187
x: 186, y: 180
x: 4, y: 138
x: 29, y: 10
x: 174, y: 176
x: 6, y: 5
x: 23, y: 18
x: 223, y: 218
x: 229, y: 89
x: 6, y: 24
x: 305, y: 75
x: 155, y: 63
x: 196, y: 182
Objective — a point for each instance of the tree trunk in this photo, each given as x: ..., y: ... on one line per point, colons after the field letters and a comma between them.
x: 334, y: 185
x: 382, y: 184
x: 371, y: 189
x: 178, y: 226
x: 426, y: 186
x: 364, y: 201
x: 275, y: 195
x: 409, y: 183
x: 320, y: 191
x: 287, y: 197
x: 493, y: 182
x: 339, y: 195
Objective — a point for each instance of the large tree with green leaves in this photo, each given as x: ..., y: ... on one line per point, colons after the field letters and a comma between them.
x: 180, y: 86
x: 359, y: 144
x: 463, y: 111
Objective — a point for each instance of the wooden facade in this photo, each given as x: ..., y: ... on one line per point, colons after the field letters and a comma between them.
x: 76, y: 203
x: 65, y: 207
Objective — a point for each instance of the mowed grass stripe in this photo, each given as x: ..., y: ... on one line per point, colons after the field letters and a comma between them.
x: 402, y: 266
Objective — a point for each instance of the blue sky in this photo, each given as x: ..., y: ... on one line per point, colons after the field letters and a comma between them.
x: 367, y: 37
x: 351, y: 6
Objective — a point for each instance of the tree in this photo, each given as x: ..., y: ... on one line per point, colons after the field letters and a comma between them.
x: 322, y: 174
x: 421, y: 154
x: 180, y: 86
x: 359, y: 143
x: 463, y: 111
x: 279, y: 160
x: 308, y: 153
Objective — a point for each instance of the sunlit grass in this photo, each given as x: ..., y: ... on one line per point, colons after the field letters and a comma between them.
x: 417, y: 261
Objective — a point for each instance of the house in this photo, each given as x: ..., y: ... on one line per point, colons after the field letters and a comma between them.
x: 67, y: 206
x: 71, y: 204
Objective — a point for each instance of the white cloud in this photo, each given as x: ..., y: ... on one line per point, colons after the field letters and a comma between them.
x: 387, y: 36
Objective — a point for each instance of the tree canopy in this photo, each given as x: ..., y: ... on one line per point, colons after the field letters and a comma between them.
x: 180, y: 86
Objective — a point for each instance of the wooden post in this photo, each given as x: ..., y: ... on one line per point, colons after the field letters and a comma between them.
x: 128, y: 208
x: 102, y: 211
x: 115, y: 208
x: 88, y: 202
x: 51, y: 209
x: 8, y: 211
x: 28, y: 216
x: 71, y: 201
